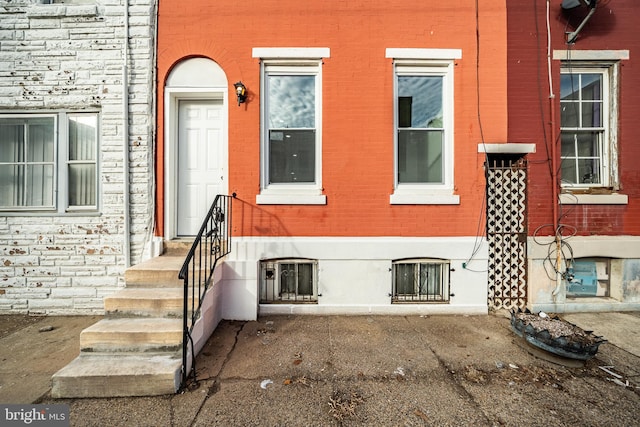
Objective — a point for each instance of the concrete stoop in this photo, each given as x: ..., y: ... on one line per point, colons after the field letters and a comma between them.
x: 136, y: 350
x: 118, y: 375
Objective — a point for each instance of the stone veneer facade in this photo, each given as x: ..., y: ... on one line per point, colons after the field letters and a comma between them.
x: 69, y: 57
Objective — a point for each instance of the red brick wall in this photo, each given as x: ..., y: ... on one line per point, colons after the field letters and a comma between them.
x: 614, y: 26
x: 357, y: 146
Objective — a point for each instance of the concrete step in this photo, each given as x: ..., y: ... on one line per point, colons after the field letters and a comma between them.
x: 177, y: 247
x: 101, y: 375
x: 132, y: 335
x: 135, y: 350
x: 145, y: 302
x: 156, y: 272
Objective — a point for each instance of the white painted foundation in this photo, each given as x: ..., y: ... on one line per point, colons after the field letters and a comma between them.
x: 624, y: 277
x: 210, y: 317
x: 354, y: 274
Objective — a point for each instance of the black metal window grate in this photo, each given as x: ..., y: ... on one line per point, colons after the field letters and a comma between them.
x: 288, y: 281
x: 420, y: 281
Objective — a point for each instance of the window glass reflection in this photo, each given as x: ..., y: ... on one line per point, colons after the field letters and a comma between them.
x: 291, y: 102
x: 420, y: 101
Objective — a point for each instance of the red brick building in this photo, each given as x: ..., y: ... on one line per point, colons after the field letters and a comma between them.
x: 572, y: 82
x: 354, y: 157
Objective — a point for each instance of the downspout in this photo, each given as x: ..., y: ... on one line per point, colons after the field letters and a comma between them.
x: 554, y: 164
x: 125, y: 145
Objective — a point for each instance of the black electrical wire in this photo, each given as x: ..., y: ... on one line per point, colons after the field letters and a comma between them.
x: 478, y: 239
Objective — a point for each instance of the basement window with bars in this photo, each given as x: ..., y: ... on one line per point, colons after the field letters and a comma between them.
x: 420, y: 280
x: 288, y: 281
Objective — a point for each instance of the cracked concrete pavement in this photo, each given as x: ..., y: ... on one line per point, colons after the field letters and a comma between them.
x: 378, y: 370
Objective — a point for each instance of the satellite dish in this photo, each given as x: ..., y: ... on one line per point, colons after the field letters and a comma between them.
x: 572, y: 4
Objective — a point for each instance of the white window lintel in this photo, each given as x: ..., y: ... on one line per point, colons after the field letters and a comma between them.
x: 507, y: 148
x: 422, y: 53
x: 423, y: 198
x: 594, y: 199
x: 291, y: 199
x: 590, y: 55
x: 291, y: 52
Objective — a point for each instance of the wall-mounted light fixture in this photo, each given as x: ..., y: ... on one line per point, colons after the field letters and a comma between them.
x: 241, y: 92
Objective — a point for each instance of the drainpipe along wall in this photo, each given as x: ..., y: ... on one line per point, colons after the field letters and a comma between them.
x: 554, y: 165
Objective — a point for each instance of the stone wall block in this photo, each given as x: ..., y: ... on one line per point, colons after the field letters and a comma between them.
x: 70, y: 58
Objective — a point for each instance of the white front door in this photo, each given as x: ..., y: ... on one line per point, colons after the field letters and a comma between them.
x: 201, y: 171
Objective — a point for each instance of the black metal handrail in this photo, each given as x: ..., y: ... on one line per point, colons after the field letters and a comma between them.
x: 211, y: 244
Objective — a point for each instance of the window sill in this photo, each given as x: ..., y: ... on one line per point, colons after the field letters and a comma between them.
x: 425, y: 302
x: 594, y: 199
x: 291, y: 199
x: 91, y: 213
x: 423, y: 198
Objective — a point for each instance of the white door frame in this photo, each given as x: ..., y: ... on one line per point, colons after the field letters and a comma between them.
x: 172, y: 96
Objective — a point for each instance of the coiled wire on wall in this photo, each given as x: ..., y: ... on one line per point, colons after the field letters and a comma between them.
x: 561, y: 244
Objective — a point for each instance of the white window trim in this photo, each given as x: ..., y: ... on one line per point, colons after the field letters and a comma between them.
x: 506, y: 148
x: 428, y: 62
x: 420, y: 53
x: 305, y: 61
x: 590, y: 55
x: 607, y: 171
x: 610, y: 173
x: 290, y: 52
x: 61, y: 179
x: 599, y: 59
x: 593, y: 199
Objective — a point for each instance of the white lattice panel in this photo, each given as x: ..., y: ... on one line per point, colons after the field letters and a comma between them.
x: 507, y: 235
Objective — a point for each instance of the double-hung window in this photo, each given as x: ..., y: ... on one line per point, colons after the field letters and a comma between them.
x: 48, y: 162
x: 423, y: 124
x: 589, y: 92
x: 584, y: 116
x: 420, y: 129
x: 291, y: 133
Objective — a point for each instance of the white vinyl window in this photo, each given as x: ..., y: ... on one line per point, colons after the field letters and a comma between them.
x: 291, y: 107
x: 423, y: 126
x: 420, y: 280
x: 420, y: 127
x: 291, y: 131
x: 48, y: 162
x: 289, y: 281
x: 584, y: 120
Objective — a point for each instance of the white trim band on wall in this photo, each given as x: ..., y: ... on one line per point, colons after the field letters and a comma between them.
x: 418, y: 53
x: 590, y: 55
x: 290, y: 52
